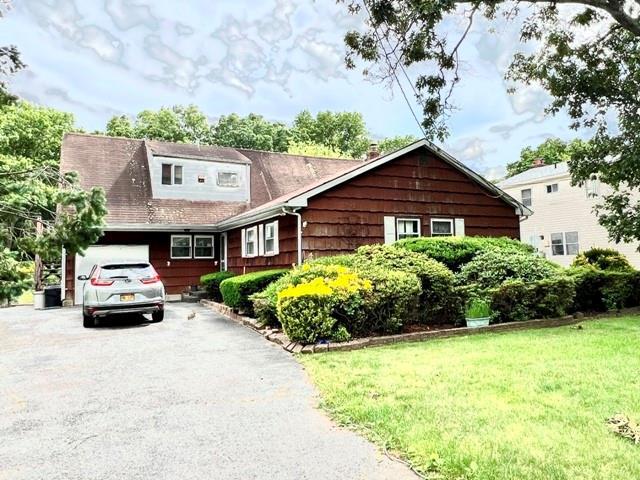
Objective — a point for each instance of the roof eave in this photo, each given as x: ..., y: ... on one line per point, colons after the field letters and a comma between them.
x: 158, y: 227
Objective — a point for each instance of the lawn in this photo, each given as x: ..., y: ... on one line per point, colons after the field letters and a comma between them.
x: 521, y: 405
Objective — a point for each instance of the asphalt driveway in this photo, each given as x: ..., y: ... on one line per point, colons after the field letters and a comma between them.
x: 182, y: 399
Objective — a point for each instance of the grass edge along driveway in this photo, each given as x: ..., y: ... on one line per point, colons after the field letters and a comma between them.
x: 519, y: 405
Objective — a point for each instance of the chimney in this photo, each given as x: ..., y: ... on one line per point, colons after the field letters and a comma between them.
x: 537, y: 162
x: 373, y: 151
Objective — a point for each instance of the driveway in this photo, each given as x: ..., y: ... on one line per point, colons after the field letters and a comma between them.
x: 200, y: 398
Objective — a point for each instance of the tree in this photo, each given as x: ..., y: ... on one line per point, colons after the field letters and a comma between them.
x: 391, y: 144
x: 314, y: 150
x: 120, y: 126
x: 252, y: 131
x: 587, y: 59
x: 10, y: 62
x: 340, y: 131
x: 33, y: 132
x: 551, y: 151
x: 180, y: 124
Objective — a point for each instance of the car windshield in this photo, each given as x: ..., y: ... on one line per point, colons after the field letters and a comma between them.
x: 129, y: 270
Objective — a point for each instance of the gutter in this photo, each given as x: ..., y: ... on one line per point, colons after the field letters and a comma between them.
x: 150, y: 227
x: 299, y: 216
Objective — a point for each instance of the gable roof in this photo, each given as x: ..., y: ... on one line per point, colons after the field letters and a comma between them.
x: 120, y: 167
x: 299, y: 198
x: 536, y: 174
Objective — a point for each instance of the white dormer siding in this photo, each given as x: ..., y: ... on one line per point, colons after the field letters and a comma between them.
x: 202, y: 180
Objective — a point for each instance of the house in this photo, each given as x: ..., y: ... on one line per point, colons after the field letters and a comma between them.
x: 192, y: 209
x: 564, y: 222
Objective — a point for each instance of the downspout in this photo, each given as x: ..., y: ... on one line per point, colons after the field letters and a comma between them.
x: 295, y: 213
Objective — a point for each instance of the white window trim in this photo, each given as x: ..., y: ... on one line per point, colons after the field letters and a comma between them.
x: 276, y: 246
x: 245, y: 231
x: 408, y: 219
x: 237, y: 185
x: 522, y: 199
x: 562, y: 244
x: 449, y: 220
x: 173, y: 174
x: 213, y: 246
x: 190, y: 247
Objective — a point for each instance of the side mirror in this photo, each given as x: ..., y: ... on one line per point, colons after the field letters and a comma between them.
x: 83, y: 277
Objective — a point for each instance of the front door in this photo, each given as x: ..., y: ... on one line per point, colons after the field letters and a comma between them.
x: 223, y: 252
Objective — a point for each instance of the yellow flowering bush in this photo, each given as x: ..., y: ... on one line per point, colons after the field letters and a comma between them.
x: 323, y: 307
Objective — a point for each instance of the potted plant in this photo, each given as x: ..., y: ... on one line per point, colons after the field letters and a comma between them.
x: 478, y: 313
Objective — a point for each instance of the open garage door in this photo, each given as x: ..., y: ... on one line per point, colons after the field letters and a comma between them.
x: 106, y: 253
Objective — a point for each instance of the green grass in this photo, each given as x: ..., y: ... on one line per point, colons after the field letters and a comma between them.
x: 521, y: 405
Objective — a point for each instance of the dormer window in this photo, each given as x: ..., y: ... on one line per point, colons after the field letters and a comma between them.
x: 171, y: 174
x: 228, y: 179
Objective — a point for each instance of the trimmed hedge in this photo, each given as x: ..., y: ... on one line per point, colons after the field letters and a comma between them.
x: 237, y: 290
x: 604, y: 259
x: 491, y: 268
x: 600, y: 290
x: 211, y: 283
x: 437, y: 303
x: 455, y: 252
x: 516, y: 300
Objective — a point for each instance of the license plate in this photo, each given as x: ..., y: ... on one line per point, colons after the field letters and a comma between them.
x: 127, y: 297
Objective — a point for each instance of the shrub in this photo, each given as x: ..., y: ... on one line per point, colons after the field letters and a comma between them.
x: 491, y: 268
x: 516, y: 300
x: 455, y: 252
x: 236, y: 290
x: 323, y: 308
x: 343, y: 260
x: 393, y: 301
x: 211, y: 283
x: 600, y: 290
x: 604, y: 259
x: 436, y: 279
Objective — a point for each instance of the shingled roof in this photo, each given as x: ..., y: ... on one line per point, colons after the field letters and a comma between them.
x: 119, y: 166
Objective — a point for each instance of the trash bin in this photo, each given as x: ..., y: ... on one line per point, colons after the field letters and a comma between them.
x: 52, y: 296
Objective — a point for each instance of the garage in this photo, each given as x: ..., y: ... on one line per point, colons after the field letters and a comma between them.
x: 97, y: 254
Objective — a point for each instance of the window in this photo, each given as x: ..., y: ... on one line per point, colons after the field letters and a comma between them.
x: 557, y: 244
x: 442, y: 227
x: 407, y: 228
x: 553, y: 188
x: 564, y: 243
x: 180, y: 246
x: 228, y: 179
x: 250, y: 242
x: 525, y: 195
x: 571, y: 242
x: 171, y: 174
x: 203, y: 246
x: 271, y: 238
x: 592, y: 186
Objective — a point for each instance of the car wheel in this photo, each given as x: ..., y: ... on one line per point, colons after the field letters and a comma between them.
x: 88, y: 321
x: 157, y: 316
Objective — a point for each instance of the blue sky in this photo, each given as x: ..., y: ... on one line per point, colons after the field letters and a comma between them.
x: 273, y: 57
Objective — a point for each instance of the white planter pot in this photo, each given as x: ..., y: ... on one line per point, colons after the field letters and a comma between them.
x: 38, y: 300
x: 478, y: 322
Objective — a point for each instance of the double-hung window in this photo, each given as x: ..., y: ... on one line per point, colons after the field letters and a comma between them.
x: 407, y: 228
x: 171, y: 174
x: 592, y: 186
x: 525, y: 195
x: 565, y: 243
x: 228, y: 179
x: 441, y: 227
x: 203, y: 246
x: 552, y: 188
x: 180, y: 246
x: 250, y: 242
x: 271, y: 238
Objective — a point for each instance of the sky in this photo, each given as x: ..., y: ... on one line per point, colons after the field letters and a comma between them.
x: 102, y: 58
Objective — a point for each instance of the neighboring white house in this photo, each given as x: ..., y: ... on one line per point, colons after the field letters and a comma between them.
x: 563, y: 221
